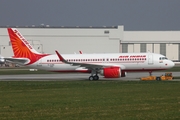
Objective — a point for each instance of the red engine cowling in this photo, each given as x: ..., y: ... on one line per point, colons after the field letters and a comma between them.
x: 111, y: 72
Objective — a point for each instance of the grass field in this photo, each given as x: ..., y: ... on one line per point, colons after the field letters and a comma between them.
x: 85, y: 100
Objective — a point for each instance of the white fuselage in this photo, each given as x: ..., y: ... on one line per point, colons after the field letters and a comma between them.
x: 126, y: 61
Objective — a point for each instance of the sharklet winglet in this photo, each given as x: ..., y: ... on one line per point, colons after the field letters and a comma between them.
x: 60, y: 57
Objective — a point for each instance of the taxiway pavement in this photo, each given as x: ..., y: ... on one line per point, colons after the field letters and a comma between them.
x: 78, y: 76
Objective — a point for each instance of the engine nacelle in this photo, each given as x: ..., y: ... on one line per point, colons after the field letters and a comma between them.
x: 111, y: 72
x: 123, y: 74
x: 2, y: 60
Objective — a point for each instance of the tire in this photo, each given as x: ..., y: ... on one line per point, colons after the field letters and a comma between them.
x: 91, y: 78
x: 95, y: 77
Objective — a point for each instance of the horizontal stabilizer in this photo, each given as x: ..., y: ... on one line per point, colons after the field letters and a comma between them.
x: 21, y: 61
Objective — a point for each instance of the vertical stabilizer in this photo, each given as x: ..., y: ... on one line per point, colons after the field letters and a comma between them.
x: 22, y: 48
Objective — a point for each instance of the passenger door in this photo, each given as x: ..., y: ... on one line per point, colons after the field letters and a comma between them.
x: 150, y: 59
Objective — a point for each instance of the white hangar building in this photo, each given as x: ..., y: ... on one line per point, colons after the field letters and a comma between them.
x: 46, y: 39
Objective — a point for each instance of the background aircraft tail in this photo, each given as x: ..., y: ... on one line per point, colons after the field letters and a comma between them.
x: 22, y: 48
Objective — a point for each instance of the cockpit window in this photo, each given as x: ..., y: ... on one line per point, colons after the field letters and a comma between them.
x: 163, y: 58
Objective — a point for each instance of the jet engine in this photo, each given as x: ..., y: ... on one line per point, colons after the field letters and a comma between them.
x: 111, y: 72
x: 2, y: 60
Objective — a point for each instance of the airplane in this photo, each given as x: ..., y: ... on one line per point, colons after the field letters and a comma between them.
x: 109, y: 65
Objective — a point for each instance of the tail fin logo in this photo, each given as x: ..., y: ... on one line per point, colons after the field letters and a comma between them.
x: 22, y: 48
x: 23, y: 39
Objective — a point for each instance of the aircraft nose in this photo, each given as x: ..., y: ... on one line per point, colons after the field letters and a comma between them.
x: 171, y: 64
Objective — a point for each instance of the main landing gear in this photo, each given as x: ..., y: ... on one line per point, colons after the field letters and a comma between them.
x: 94, y: 77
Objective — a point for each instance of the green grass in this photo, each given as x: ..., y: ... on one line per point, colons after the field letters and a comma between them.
x: 85, y: 100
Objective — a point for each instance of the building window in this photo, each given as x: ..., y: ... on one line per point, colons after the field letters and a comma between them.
x: 143, y: 47
x: 163, y: 49
x: 106, y: 32
x: 124, y: 47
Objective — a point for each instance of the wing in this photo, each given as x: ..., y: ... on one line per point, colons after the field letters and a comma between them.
x: 87, y: 65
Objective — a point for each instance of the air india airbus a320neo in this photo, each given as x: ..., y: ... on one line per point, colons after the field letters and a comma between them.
x: 112, y: 65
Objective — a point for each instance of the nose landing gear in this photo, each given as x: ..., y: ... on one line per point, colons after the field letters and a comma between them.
x: 150, y: 73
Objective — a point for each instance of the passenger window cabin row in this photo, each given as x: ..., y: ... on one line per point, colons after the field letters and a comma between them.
x: 100, y: 60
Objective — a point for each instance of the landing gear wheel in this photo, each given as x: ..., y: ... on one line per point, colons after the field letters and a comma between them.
x: 95, y: 77
x: 91, y: 78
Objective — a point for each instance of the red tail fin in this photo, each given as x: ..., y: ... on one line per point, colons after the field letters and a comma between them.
x: 22, y: 48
